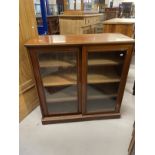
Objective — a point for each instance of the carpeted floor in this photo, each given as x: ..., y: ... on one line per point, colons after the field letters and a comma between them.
x: 100, y: 137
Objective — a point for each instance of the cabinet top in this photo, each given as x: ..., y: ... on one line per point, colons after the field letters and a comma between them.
x: 83, y: 39
x: 120, y: 21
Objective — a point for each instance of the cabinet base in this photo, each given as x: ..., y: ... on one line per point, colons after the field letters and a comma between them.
x: 79, y: 117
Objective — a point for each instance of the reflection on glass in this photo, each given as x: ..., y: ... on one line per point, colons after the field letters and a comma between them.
x: 59, y: 77
x: 104, y: 73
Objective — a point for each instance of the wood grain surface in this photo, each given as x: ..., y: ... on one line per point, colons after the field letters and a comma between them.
x: 104, y: 38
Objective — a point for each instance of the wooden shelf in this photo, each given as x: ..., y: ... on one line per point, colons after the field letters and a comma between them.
x: 70, y: 79
x: 70, y: 94
x: 55, y: 63
x: 94, y: 94
x: 65, y: 95
x: 94, y: 78
x: 105, y: 61
x: 59, y: 80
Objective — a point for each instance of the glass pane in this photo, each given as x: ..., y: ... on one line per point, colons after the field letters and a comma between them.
x: 59, y: 77
x: 53, y: 9
x: 104, y: 73
x: 91, y: 6
x: 71, y: 5
x: 78, y: 4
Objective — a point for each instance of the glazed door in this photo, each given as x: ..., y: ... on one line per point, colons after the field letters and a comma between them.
x: 104, y: 69
x: 59, y: 75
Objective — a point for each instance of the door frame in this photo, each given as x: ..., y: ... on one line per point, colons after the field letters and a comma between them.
x: 105, y: 48
x: 33, y: 53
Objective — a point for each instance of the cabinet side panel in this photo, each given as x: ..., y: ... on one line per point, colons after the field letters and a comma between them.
x: 27, y: 30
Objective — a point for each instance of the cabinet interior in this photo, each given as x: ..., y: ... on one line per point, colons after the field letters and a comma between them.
x: 59, y: 77
x: 103, y: 77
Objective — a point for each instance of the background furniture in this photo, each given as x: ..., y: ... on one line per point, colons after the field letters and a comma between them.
x: 52, y: 23
x: 110, y: 13
x: 127, y: 10
x: 73, y: 7
x: 28, y: 98
x: 80, y: 77
x: 80, y: 7
x: 42, y: 28
x: 125, y: 26
x: 60, y: 4
x: 79, y: 24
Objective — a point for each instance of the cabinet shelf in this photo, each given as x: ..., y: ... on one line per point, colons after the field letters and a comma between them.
x: 55, y: 63
x: 91, y: 62
x: 104, y: 61
x: 59, y: 80
x: 95, y: 78
x: 69, y: 94
x: 66, y: 95
x: 70, y: 79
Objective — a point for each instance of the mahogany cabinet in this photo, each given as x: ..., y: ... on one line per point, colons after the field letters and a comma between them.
x: 80, y: 77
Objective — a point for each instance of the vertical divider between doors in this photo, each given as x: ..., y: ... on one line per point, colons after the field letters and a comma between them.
x: 79, y: 79
x: 84, y: 79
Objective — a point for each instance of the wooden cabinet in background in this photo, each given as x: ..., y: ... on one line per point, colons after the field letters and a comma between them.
x: 110, y: 13
x: 79, y: 24
x: 80, y: 77
x: 125, y: 26
x: 53, y: 24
